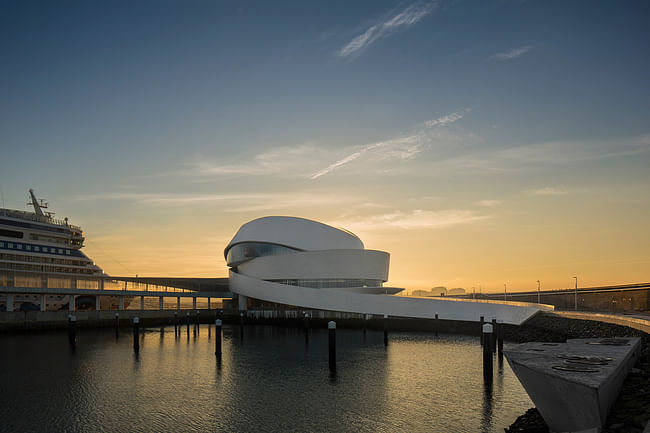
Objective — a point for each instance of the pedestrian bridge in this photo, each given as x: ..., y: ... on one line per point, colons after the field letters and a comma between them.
x: 14, y: 288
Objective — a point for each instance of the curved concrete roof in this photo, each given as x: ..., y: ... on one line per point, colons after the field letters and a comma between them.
x: 294, y: 232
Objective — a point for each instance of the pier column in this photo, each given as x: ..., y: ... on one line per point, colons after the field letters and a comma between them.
x: 161, y: 305
x: 194, y: 303
x: 71, y: 303
x: 10, y: 302
x: 43, y: 302
x: 121, y: 307
x: 101, y: 284
x: 243, y: 303
x: 209, y: 304
x: 178, y: 302
x: 98, y: 305
x: 142, y: 302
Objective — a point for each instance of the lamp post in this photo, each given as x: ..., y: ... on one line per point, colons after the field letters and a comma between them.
x: 539, y: 296
x: 505, y: 292
x: 576, y: 294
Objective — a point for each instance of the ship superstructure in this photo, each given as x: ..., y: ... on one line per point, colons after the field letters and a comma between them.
x: 37, y: 250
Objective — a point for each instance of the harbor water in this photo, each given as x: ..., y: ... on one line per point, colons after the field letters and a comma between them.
x: 270, y: 380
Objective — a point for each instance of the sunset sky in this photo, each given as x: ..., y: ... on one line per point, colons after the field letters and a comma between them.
x: 481, y: 143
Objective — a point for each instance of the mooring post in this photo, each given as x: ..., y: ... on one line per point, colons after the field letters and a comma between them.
x: 481, y: 330
x: 331, y: 327
x: 436, y: 324
x: 136, y: 334
x: 385, y: 329
x: 500, y: 337
x: 306, y: 322
x: 493, y: 340
x: 175, y: 323
x: 188, y: 323
x: 72, y: 329
x: 241, y: 325
x: 217, y: 338
x: 117, y: 324
x: 487, y: 352
x: 198, y: 317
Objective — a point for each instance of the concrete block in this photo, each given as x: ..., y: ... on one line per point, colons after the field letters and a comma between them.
x: 574, y: 384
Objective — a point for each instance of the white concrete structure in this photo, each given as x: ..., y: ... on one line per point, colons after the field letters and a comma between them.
x: 574, y: 384
x: 304, y: 263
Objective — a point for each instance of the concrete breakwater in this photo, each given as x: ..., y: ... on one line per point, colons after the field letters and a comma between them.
x: 631, y: 412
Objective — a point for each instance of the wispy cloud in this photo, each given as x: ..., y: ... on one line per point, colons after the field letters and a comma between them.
x: 447, y: 119
x: 512, y: 54
x: 410, y: 220
x: 408, y: 17
x: 489, y: 203
x: 548, y: 190
x: 283, y: 159
x: 402, y: 148
x: 230, y: 202
x: 413, y: 148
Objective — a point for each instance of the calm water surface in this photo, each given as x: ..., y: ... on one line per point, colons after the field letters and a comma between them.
x: 271, y: 381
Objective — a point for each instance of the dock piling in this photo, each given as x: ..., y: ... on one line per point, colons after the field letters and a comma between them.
x: 385, y: 329
x: 436, y: 324
x: 481, y: 330
x: 493, y: 339
x: 117, y: 325
x: 487, y: 353
x: 72, y: 329
x: 136, y: 334
x: 217, y: 339
x: 331, y: 327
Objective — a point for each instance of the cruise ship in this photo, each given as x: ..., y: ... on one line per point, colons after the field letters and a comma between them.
x: 37, y: 250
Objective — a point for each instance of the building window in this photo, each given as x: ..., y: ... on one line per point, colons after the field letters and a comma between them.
x: 19, y: 246
x: 37, y: 249
x: 67, y: 252
x: 60, y: 251
x: 10, y: 245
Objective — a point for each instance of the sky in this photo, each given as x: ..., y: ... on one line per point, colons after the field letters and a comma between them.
x: 480, y: 143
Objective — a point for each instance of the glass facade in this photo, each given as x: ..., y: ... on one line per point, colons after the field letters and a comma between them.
x: 330, y: 283
x: 240, y: 253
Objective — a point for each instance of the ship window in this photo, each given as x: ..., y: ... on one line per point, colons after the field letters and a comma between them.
x: 37, y: 249
x: 28, y: 247
x: 19, y: 246
x: 10, y: 245
x: 60, y: 251
x: 2, y: 244
x: 67, y: 252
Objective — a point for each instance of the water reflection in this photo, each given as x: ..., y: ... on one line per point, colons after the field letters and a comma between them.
x: 275, y: 382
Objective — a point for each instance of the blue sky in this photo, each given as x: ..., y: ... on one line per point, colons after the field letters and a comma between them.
x: 421, y: 126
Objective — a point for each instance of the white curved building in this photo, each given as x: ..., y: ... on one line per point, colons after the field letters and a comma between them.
x: 307, y: 264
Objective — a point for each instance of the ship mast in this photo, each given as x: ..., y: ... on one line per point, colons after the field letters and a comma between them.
x: 38, y: 205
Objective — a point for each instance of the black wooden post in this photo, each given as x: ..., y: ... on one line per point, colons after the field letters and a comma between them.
x: 136, y: 334
x: 487, y: 353
x: 331, y: 326
x: 217, y: 339
x: 72, y: 329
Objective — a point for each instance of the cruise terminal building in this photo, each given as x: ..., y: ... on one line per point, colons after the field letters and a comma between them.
x: 308, y: 264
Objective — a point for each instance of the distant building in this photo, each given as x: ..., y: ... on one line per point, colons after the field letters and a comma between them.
x: 456, y: 291
x: 439, y: 291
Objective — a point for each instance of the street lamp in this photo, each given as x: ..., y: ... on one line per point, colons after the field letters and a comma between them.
x: 505, y: 292
x: 576, y: 294
x: 539, y: 296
